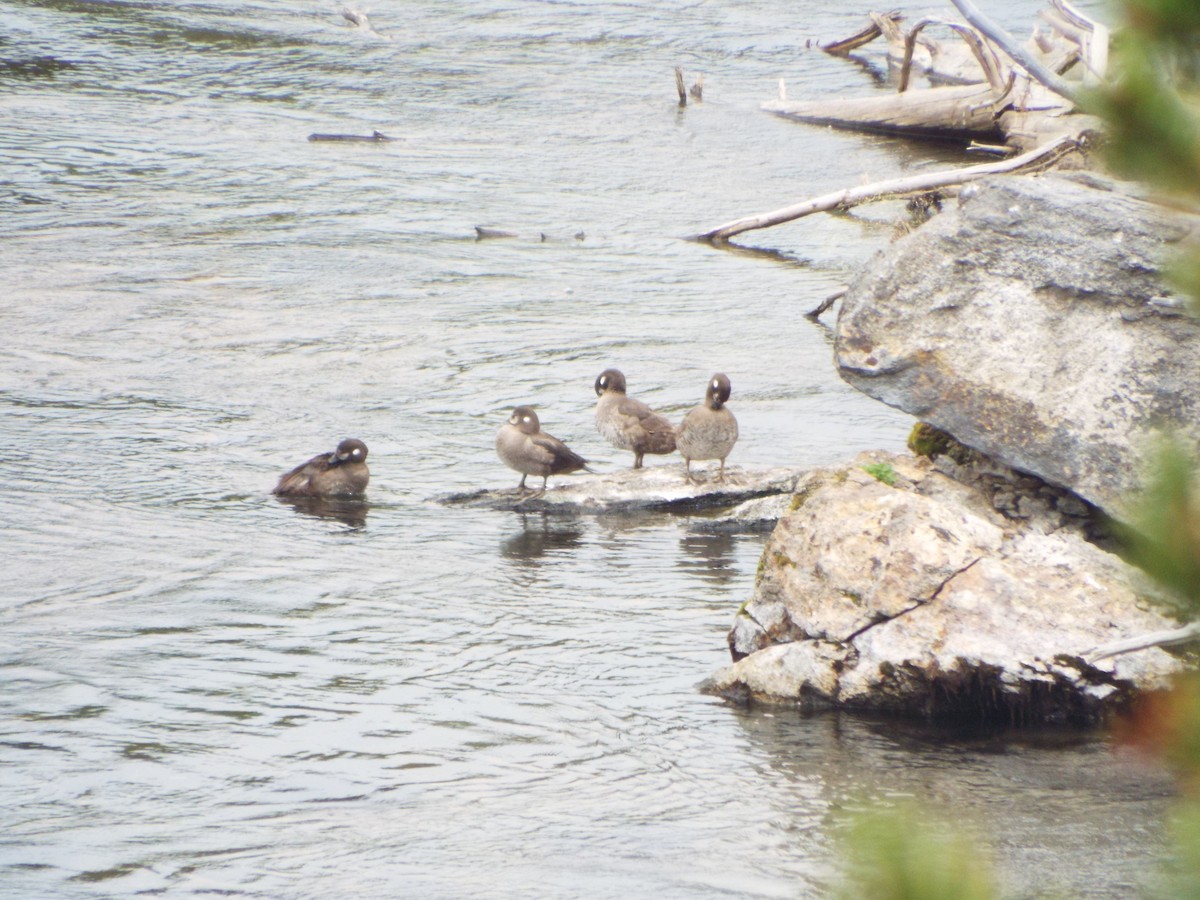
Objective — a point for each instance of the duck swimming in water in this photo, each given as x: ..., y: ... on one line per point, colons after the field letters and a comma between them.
x: 709, y: 430
x: 342, y: 473
x: 524, y: 447
x: 630, y: 424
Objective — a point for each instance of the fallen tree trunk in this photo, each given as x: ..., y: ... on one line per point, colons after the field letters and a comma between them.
x: 1023, y: 78
x: 848, y: 197
x: 960, y: 112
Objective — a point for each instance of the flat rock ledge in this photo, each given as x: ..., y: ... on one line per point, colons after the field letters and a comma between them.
x: 921, y: 597
x: 661, y: 488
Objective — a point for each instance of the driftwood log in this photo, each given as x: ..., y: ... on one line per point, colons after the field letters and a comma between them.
x: 373, y: 138
x: 1019, y: 54
x: 964, y: 112
x: 989, y: 74
x: 1042, y: 157
x: 1017, y: 95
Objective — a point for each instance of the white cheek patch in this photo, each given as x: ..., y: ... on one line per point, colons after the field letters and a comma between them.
x: 526, y: 419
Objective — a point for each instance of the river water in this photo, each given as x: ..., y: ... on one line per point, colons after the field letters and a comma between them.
x: 205, y: 691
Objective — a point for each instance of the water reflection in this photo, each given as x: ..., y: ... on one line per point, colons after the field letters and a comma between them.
x: 768, y: 254
x: 710, y: 555
x: 540, y: 534
x: 1079, y: 784
x: 350, y: 512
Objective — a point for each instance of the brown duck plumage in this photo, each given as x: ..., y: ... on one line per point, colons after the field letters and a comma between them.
x: 524, y: 447
x: 630, y: 424
x: 709, y: 430
x: 342, y: 473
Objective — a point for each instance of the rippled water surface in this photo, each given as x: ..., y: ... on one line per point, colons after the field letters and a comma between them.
x: 205, y: 691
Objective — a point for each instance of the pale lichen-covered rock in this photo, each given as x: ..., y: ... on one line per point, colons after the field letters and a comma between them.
x: 1031, y: 322
x: 920, y: 597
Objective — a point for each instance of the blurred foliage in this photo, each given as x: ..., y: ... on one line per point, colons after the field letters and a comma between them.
x: 1163, y: 535
x: 1152, y: 108
x: 1182, y: 875
x: 1152, y: 112
x: 1167, y: 726
x: 902, y: 854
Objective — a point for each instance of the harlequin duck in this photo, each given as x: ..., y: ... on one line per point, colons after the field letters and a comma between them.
x: 709, y: 430
x: 342, y: 473
x: 524, y: 447
x: 630, y: 424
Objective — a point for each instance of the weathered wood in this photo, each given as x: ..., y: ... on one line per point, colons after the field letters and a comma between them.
x: 1185, y: 635
x: 848, y: 197
x: 1027, y: 129
x: 1092, y: 37
x: 1019, y: 54
x: 679, y: 86
x: 960, y: 112
x: 860, y: 38
x: 483, y: 233
x: 373, y: 138
x: 983, y: 54
x: 824, y: 305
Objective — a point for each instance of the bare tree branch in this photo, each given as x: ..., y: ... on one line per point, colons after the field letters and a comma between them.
x: 1005, y: 42
x: 1183, y: 635
x: 848, y: 197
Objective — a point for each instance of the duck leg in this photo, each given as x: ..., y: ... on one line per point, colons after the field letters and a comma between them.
x: 687, y: 471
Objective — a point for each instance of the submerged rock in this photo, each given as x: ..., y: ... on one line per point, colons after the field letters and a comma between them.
x: 1030, y: 322
x: 751, y: 516
x: 648, y: 488
x: 891, y: 585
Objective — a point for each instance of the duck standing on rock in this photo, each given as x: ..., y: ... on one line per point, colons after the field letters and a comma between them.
x: 630, y: 424
x: 709, y: 430
x: 342, y: 473
x: 524, y: 447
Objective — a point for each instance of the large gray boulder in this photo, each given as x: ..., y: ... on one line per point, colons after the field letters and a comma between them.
x: 920, y: 597
x: 1029, y: 320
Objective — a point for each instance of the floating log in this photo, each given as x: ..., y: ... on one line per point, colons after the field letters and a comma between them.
x: 961, y: 112
x: 372, y: 138
x: 1042, y: 157
x: 483, y: 233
